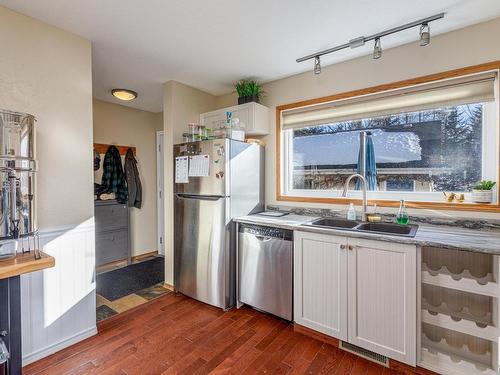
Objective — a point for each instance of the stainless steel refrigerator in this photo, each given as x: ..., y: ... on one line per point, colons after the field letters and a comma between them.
x: 215, y: 181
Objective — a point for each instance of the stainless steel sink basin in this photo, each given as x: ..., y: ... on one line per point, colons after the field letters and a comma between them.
x: 387, y: 228
x: 334, y: 223
x: 351, y: 225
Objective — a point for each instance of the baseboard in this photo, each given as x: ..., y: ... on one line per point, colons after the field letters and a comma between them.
x: 144, y: 255
x: 51, y: 349
x: 316, y: 335
x: 169, y: 287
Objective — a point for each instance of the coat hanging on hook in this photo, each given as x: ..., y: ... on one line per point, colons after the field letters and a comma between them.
x: 133, y: 180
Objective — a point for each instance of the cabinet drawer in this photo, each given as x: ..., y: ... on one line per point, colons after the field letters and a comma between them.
x: 111, y: 246
x: 108, y: 217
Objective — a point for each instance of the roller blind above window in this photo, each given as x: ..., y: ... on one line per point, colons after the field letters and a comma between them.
x: 451, y: 92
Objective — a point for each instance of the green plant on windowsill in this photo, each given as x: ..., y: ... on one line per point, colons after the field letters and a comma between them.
x: 482, y: 192
x: 484, y: 185
x: 248, y: 91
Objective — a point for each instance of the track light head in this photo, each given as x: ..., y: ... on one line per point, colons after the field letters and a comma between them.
x: 377, y: 49
x: 425, y: 34
x: 317, y: 65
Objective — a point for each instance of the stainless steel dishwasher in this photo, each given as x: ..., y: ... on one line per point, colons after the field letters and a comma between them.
x: 265, y: 269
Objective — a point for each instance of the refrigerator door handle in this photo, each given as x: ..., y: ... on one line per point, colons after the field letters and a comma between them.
x: 200, y: 197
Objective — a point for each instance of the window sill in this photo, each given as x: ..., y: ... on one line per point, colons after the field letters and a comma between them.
x: 477, y: 207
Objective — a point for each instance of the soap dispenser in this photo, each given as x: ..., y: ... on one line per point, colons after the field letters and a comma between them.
x: 351, y: 212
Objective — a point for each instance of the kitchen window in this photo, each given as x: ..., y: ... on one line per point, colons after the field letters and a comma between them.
x: 426, y: 140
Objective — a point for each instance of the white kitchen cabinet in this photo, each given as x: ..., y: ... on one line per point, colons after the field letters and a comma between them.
x: 320, y: 283
x: 382, y: 298
x: 254, y: 117
x: 357, y: 290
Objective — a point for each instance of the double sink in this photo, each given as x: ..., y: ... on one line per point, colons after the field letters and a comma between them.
x: 351, y: 225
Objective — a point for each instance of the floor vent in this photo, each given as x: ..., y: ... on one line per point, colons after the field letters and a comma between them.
x: 367, y: 354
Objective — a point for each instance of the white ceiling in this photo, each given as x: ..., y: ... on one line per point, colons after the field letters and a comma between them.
x: 209, y: 44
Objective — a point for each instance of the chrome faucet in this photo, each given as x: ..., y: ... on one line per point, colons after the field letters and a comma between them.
x: 363, y: 183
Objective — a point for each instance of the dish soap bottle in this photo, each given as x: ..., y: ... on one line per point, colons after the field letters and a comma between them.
x: 351, y: 212
x: 402, y: 217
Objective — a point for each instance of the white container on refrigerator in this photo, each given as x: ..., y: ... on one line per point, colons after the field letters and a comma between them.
x: 254, y: 118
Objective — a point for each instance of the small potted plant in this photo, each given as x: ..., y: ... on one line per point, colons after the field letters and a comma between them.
x: 483, y: 191
x: 248, y: 91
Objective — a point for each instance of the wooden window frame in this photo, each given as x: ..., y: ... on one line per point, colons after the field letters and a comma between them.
x: 478, y: 207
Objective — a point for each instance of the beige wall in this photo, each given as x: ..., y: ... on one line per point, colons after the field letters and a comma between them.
x: 47, y: 72
x: 469, y: 46
x: 182, y: 104
x: 117, y: 124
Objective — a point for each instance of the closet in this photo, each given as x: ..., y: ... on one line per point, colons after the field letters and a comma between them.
x: 112, y: 220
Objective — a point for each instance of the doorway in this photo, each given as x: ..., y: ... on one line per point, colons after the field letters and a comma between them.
x: 124, y: 278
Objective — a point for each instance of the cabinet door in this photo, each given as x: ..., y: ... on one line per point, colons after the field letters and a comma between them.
x: 213, y: 120
x: 253, y: 117
x: 320, y: 283
x: 382, y: 298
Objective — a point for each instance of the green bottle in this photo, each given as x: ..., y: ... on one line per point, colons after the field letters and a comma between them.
x: 402, y: 217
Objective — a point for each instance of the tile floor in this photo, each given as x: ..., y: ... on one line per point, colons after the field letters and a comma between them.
x: 106, y: 308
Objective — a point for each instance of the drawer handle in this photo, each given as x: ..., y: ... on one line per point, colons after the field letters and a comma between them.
x: 351, y: 247
x: 342, y: 246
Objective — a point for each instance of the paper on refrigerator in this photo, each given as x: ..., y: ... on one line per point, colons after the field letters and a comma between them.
x: 199, y: 166
x: 181, y: 169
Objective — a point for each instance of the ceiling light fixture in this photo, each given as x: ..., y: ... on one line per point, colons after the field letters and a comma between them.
x: 360, y: 41
x: 425, y: 34
x: 317, y: 65
x: 377, y: 49
x: 124, y: 94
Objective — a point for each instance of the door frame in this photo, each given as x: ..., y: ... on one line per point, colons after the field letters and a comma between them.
x: 160, y: 196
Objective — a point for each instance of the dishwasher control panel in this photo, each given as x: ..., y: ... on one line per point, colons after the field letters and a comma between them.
x: 263, y: 231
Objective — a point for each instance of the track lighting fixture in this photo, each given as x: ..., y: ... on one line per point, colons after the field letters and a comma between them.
x: 377, y: 49
x: 425, y: 38
x: 425, y: 34
x: 317, y: 65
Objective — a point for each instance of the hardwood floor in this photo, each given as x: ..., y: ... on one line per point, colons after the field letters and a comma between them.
x: 177, y: 335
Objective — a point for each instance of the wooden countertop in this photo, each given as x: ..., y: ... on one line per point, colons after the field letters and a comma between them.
x: 25, y: 263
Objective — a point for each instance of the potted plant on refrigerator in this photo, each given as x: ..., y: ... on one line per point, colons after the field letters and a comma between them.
x: 483, y: 192
x: 248, y: 91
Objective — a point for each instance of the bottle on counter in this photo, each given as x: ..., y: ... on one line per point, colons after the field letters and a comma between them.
x: 351, y: 212
x: 402, y: 217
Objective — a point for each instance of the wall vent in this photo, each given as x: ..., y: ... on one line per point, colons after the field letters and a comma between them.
x: 367, y: 354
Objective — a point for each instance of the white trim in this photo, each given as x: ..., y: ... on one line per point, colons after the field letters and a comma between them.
x: 160, y: 213
x: 51, y: 349
x: 77, y: 228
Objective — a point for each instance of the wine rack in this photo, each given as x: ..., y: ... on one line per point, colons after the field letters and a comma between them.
x: 459, y: 312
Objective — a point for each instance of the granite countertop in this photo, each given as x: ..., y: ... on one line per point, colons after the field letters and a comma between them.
x: 427, y: 235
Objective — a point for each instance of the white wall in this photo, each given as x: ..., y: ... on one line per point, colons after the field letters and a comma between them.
x: 182, y: 104
x: 47, y: 72
x: 469, y: 46
x: 117, y: 124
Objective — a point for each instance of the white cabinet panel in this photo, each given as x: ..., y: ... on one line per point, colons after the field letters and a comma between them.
x: 58, y: 305
x: 320, y: 283
x: 253, y: 116
x: 382, y: 298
